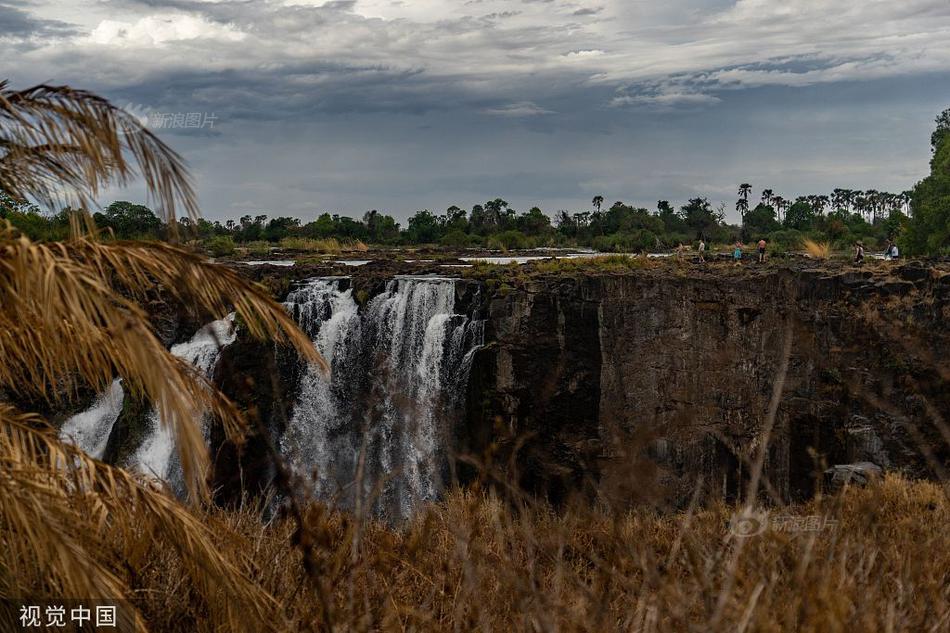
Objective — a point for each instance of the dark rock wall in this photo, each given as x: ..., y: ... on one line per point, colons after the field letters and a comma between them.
x: 656, y: 382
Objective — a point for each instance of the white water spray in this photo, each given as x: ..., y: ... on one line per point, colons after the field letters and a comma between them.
x: 156, y: 456
x: 398, y: 371
x: 90, y: 429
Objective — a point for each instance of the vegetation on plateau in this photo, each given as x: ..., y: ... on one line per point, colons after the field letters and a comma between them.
x: 918, y: 220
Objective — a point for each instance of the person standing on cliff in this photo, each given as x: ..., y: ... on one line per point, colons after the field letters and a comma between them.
x: 762, y: 251
x: 858, y: 253
x: 702, y: 251
x: 737, y: 253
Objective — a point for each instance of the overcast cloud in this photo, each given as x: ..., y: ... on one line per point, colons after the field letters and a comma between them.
x: 349, y: 105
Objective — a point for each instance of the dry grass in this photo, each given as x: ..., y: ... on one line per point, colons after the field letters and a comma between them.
x: 817, y: 250
x: 304, y: 244
x: 258, y: 247
x: 474, y: 562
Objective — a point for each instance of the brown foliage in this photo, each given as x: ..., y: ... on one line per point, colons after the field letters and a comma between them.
x: 474, y: 562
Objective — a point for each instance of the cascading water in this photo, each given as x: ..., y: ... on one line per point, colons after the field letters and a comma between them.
x: 399, y: 368
x: 156, y: 455
x: 90, y: 429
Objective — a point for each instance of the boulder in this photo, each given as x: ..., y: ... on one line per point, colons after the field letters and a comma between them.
x: 860, y: 474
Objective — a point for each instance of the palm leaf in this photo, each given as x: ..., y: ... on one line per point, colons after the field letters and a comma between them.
x: 64, y: 146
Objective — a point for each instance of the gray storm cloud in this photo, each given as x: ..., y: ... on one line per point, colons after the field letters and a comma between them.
x: 349, y: 105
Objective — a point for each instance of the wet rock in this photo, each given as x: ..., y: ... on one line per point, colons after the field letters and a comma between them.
x: 914, y: 271
x: 895, y: 287
x: 864, y: 444
x: 858, y: 474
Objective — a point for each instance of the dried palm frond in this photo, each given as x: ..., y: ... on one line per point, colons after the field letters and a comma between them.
x: 71, y: 315
x: 64, y: 146
x: 64, y: 318
x: 60, y: 507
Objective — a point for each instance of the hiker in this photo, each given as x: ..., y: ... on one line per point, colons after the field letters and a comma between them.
x: 891, y: 252
x: 737, y: 253
x: 762, y: 251
x: 858, y: 253
x: 702, y: 251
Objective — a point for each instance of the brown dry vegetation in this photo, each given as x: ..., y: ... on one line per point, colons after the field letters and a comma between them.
x: 474, y: 562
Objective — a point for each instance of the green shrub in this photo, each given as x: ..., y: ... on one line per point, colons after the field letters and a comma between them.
x: 258, y: 247
x: 220, y: 245
x: 785, y: 240
x: 456, y: 239
x: 507, y: 240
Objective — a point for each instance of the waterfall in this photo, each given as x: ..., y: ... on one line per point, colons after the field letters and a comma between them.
x: 90, y: 429
x: 156, y: 456
x: 399, y: 369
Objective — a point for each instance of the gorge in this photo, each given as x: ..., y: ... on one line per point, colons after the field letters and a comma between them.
x: 619, y: 386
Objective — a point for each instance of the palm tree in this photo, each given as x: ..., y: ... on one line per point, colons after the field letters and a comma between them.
x: 744, y: 190
x: 742, y: 206
x: 598, y: 201
x: 767, y: 196
x: 779, y: 203
x: 874, y: 202
x: 70, y: 317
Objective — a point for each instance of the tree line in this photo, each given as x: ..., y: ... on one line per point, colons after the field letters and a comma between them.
x: 919, y: 219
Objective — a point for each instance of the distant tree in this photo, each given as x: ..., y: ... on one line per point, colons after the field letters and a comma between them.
x: 699, y: 218
x: 534, y: 222
x: 672, y: 222
x: 928, y: 231
x: 565, y: 223
x: 497, y: 213
x: 942, y: 130
x: 456, y: 219
x: 744, y: 190
x: 759, y: 222
x: 478, y: 220
x: 130, y: 220
x: 767, y: 195
x: 279, y: 228
x: 799, y: 216
x: 779, y: 204
x: 322, y: 227
x: 598, y: 201
x: 742, y: 206
x: 424, y: 228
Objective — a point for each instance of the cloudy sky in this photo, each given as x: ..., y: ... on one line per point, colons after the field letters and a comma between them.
x: 399, y: 105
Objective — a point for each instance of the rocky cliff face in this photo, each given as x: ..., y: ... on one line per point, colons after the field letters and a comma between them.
x: 645, y: 385
x: 650, y: 383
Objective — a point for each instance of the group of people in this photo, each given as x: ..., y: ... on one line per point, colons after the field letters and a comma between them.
x: 760, y: 252
x: 736, y: 254
x: 890, y: 253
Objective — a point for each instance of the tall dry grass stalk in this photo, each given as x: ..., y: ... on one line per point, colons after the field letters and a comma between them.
x: 817, y: 250
x: 879, y: 561
x: 305, y: 244
x: 71, y: 316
